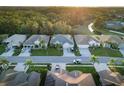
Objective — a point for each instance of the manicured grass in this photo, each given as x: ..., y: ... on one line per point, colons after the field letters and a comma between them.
x: 41, y: 70
x: 105, y: 52
x: 2, y: 49
x: 41, y: 64
x: 86, y: 70
x: 17, y: 51
x: 117, y: 69
x: 47, y: 52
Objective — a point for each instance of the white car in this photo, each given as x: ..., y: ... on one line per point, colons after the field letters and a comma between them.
x: 57, y: 67
x: 77, y: 60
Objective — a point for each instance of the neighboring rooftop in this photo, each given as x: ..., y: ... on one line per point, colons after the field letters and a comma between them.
x: 84, y: 39
x: 31, y: 40
x: 62, y: 39
x: 15, y: 39
x: 72, y: 78
x: 110, y: 38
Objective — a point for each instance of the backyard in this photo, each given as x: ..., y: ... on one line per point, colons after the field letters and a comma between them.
x: 46, y: 52
x: 86, y: 70
x: 105, y: 52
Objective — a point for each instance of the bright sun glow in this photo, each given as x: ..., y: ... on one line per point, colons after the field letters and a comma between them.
x: 90, y: 3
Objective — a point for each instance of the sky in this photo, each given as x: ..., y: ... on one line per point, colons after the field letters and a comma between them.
x: 84, y: 3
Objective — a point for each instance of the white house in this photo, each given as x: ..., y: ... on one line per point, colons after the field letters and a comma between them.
x: 36, y: 41
x: 15, y: 40
x: 84, y: 42
x: 65, y: 40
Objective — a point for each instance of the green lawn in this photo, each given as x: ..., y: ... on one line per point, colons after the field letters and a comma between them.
x: 2, y: 49
x: 86, y: 70
x: 117, y: 69
x: 47, y: 52
x: 17, y: 52
x: 105, y: 52
x: 39, y: 69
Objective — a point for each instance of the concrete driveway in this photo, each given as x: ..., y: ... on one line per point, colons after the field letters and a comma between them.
x: 67, y: 52
x: 85, y: 52
x: 25, y: 52
x: 122, y: 51
x: 8, y: 53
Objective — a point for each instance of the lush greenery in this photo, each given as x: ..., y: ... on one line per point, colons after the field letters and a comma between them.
x: 86, y: 70
x: 48, y: 52
x: 50, y: 20
x: 17, y: 51
x: 118, y: 69
x: 2, y: 49
x: 105, y: 52
x: 77, y: 52
x: 41, y: 70
x: 2, y: 37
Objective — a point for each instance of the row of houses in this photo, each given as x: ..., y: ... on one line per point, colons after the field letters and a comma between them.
x: 82, y: 41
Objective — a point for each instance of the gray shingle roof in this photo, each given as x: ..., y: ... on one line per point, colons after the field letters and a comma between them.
x: 62, y: 39
x: 34, y: 38
x: 83, y: 39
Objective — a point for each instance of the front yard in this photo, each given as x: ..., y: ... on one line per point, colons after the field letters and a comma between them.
x: 86, y: 70
x: 105, y: 52
x: 46, y: 52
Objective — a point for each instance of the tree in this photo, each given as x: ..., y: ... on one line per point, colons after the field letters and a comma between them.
x: 42, y: 43
x: 94, y: 59
x: 4, y: 63
x: 112, y: 61
x: 28, y: 63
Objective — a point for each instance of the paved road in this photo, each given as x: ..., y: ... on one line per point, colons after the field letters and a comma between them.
x: 57, y: 59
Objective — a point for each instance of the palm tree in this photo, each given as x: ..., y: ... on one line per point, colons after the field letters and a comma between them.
x: 4, y: 63
x: 94, y: 59
x: 42, y: 43
x: 28, y: 63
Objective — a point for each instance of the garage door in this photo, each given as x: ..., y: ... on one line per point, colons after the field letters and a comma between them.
x: 85, y: 52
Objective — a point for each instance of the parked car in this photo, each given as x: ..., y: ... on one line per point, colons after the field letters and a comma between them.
x: 57, y: 67
x: 77, y: 61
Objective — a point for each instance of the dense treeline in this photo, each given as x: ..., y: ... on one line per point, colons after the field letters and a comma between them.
x: 48, y: 20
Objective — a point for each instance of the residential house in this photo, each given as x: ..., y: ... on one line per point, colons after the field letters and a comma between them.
x: 74, y: 78
x: 65, y: 40
x: 15, y: 40
x: 36, y: 41
x: 84, y: 42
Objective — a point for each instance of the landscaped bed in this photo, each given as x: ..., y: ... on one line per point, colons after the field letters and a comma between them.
x: 117, y: 69
x: 46, y: 52
x: 77, y: 52
x: 2, y: 49
x: 39, y: 69
x: 17, y: 51
x: 86, y: 70
x: 105, y: 52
